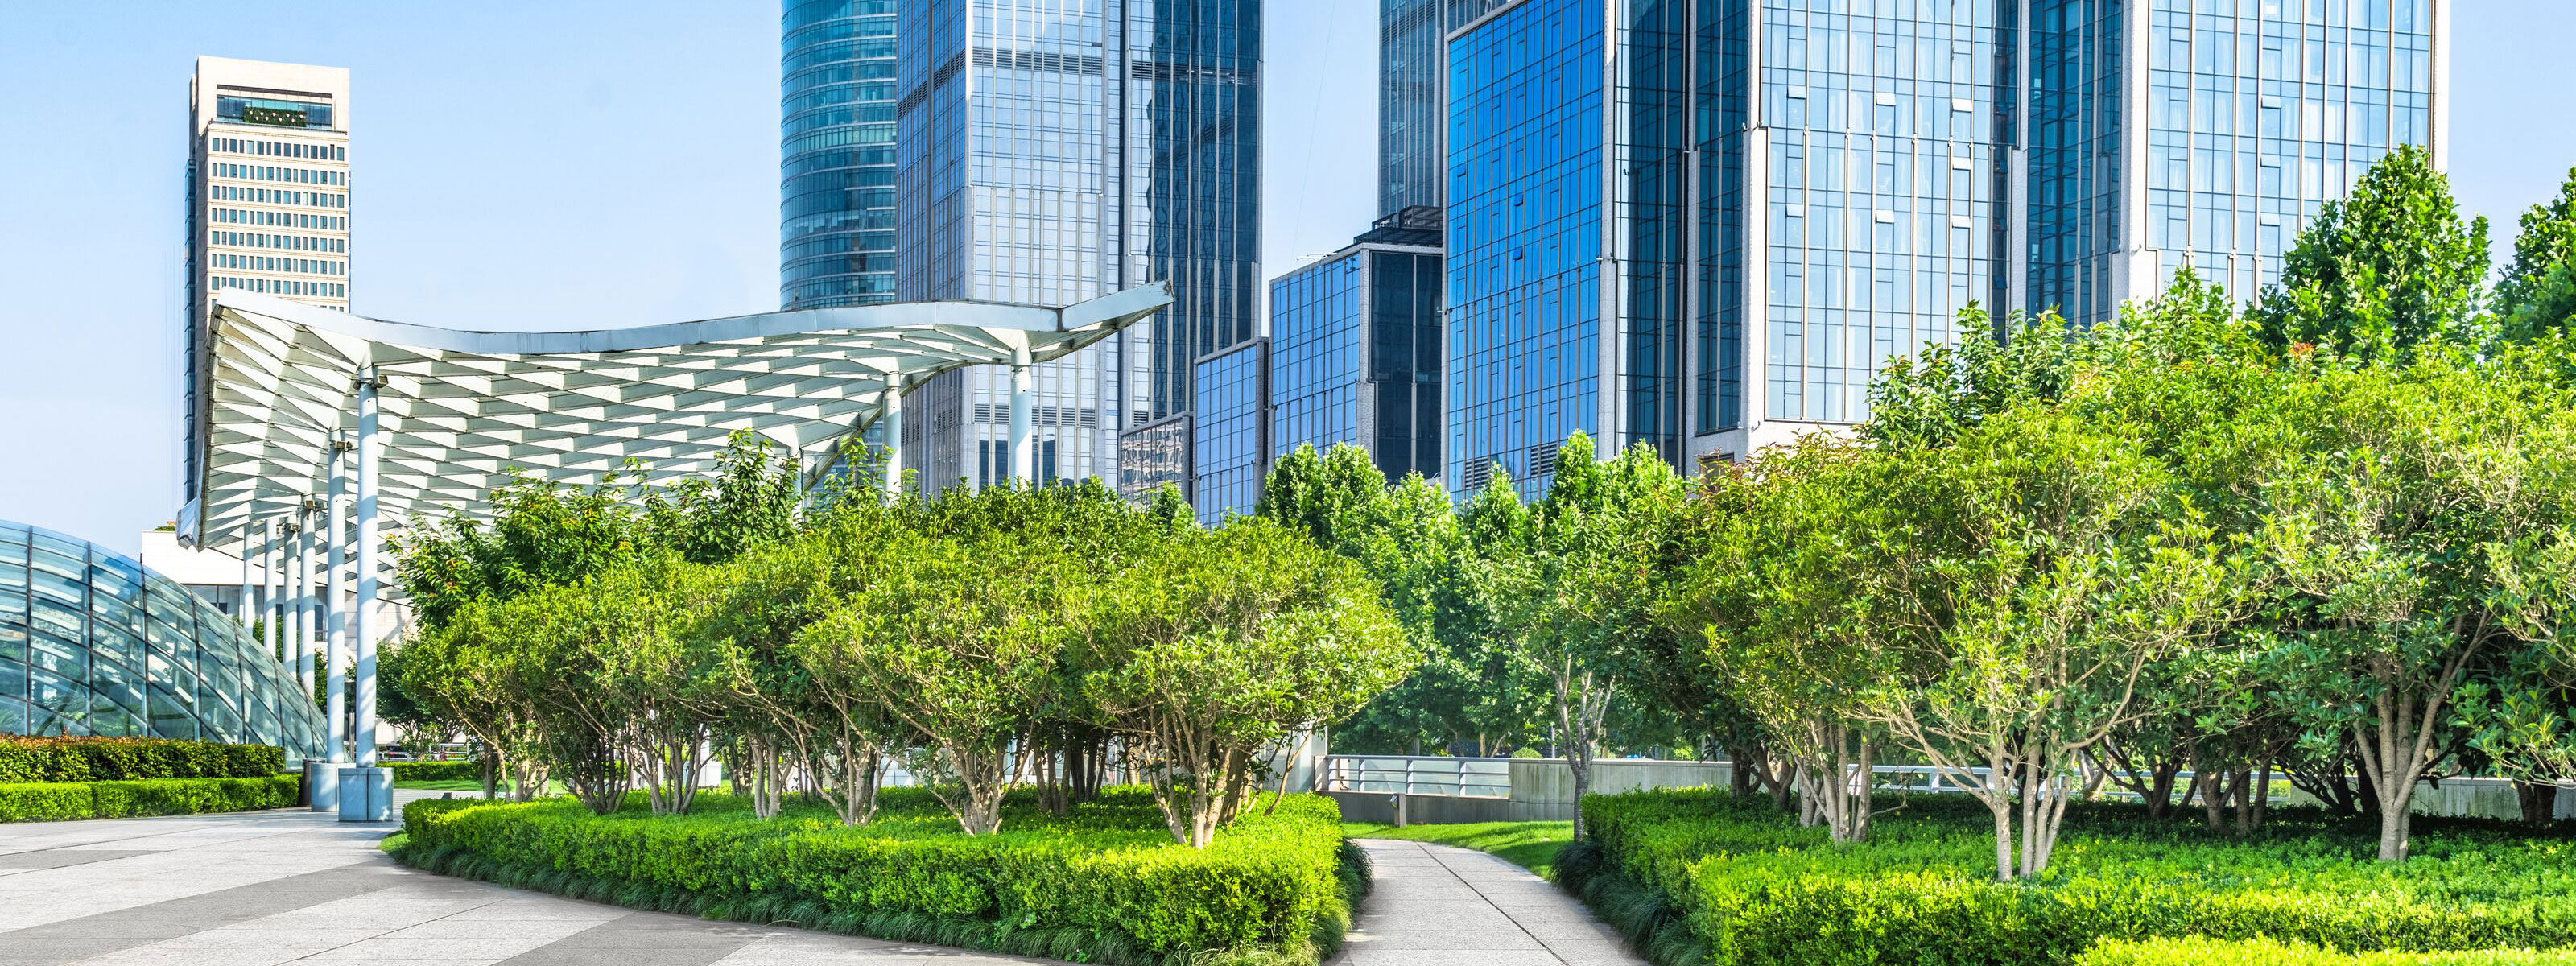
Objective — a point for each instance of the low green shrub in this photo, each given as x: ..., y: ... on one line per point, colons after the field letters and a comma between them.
x: 194, y: 796
x: 46, y: 802
x: 1102, y: 883
x: 2198, y: 951
x: 61, y: 801
x: 84, y: 759
x: 1743, y: 884
x: 437, y: 771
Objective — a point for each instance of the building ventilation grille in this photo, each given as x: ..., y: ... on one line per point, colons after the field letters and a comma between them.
x: 1077, y: 417
x: 1542, y: 461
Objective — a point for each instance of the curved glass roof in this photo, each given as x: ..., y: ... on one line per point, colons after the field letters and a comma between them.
x: 91, y: 643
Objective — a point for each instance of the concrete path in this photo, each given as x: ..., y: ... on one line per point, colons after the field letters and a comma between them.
x: 263, y: 888
x: 1433, y: 905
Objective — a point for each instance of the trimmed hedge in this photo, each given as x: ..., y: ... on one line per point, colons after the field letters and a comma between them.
x: 436, y: 771
x: 2201, y: 952
x: 1694, y: 873
x: 85, y: 759
x: 1103, y: 883
x: 62, y: 801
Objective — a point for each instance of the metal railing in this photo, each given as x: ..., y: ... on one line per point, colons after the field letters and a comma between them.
x: 1419, y: 775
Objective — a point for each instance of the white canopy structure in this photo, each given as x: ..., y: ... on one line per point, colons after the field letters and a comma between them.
x: 462, y: 408
x: 294, y: 402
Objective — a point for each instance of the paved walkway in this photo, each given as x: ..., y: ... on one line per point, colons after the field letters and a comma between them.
x: 1433, y: 905
x: 263, y: 888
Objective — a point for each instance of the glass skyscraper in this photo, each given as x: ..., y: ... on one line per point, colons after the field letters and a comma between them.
x: 836, y: 153
x: 1230, y: 432
x: 1355, y: 348
x: 1051, y: 151
x: 1703, y: 226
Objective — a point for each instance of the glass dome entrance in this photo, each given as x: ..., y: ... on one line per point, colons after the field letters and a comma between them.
x: 91, y: 643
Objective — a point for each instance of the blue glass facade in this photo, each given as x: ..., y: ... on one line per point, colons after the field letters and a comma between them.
x: 1052, y: 151
x: 1526, y: 288
x: 1230, y: 432
x: 91, y: 643
x: 1704, y: 226
x: 836, y: 153
x: 1355, y: 353
x: 1408, y: 104
x: 2260, y: 111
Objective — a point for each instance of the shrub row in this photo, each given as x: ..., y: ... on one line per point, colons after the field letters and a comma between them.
x: 132, y: 759
x: 1103, y: 883
x: 436, y: 771
x: 1747, y: 885
x: 2259, y: 952
x: 61, y: 801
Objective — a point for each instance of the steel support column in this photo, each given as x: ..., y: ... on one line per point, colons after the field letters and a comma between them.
x: 366, y: 791
x: 1021, y: 457
x: 892, y: 423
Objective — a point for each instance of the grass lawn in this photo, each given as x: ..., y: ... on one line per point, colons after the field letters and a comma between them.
x: 1530, y: 845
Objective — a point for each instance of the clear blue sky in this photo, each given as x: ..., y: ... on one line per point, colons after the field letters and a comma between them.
x: 534, y: 165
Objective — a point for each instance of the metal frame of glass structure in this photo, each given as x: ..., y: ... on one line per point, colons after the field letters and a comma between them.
x: 92, y: 643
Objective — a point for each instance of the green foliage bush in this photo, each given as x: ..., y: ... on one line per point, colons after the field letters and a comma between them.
x: 2201, y: 952
x: 1746, y: 884
x: 25, y: 759
x: 61, y: 801
x: 194, y: 796
x: 436, y: 771
x: 1102, y: 883
x: 46, y: 802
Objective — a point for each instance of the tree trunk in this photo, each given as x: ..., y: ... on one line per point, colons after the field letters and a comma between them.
x: 2538, y: 801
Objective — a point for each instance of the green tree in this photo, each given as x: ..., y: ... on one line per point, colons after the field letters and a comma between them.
x: 2062, y: 571
x: 962, y: 641
x: 2388, y: 604
x: 2538, y: 293
x: 750, y: 501
x: 1581, y: 591
x: 2386, y: 269
x: 1223, y: 645
x: 1797, y: 602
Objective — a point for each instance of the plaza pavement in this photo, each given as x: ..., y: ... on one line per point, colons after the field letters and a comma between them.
x: 268, y: 888
x: 1433, y: 905
x: 264, y: 888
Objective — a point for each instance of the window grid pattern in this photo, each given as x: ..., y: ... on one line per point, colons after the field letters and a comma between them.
x: 93, y: 644
x: 2260, y: 111
x: 836, y: 220
x: 1229, y: 445
x: 1524, y: 235
x: 2077, y: 51
x: 1408, y: 134
x: 1882, y: 190
x: 1317, y: 354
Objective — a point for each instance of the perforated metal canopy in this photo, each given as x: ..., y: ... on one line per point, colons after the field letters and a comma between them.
x: 462, y: 409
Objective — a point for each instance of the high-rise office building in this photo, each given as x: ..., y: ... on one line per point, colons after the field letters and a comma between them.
x: 1230, y: 431
x: 1356, y: 336
x: 1705, y: 226
x: 267, y: 196
x: 1051, y: 151
x: 836, y: 153
x: 1355, y: 347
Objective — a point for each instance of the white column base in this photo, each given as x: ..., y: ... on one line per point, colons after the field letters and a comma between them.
x: 321, y: 785
x: 366, y: 794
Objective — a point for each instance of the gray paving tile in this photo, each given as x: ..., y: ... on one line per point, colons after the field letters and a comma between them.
x: 1465, y: 908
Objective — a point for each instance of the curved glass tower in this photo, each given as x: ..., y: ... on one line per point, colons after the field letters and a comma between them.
x: 93, y: 644
x: 836, y: 153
